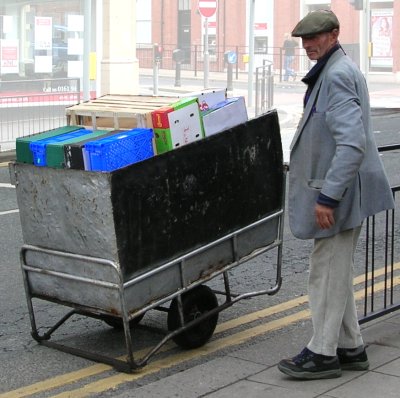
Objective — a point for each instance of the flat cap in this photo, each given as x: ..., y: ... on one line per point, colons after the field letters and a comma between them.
x: 318, y: 21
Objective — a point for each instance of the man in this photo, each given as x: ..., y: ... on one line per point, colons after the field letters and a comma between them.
x: 336, y: 180
x: 289, y: 46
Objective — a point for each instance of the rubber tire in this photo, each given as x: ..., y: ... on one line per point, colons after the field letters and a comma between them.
x: 195, y: 302
x: 117, y: 323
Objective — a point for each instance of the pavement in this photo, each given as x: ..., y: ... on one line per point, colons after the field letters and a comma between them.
x: 251, y: 371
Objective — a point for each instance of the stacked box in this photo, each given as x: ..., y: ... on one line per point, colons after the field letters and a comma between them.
x: 119, y: 150
x: 73, y: 152
x: 177, y: 125
x: 225, y: 115
x: 50, y: 152
x: 208, y: 98
x: 24, y: 153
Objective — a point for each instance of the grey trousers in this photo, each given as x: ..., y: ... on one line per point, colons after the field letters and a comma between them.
x: 331, y: 294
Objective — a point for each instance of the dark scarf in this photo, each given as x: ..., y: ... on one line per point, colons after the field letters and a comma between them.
x: 312, y: 76
x: 310, y: 79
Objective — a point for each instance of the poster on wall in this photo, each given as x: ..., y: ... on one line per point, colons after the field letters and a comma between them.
x: 75, y: 46
x: 9, y: 56
x: 75, y: 69
x: 75, y: 43
x: 7, y: 23
x: 75, y: 23
x: 381, y: 38
x: 43, y: 64
x: 43, y: 33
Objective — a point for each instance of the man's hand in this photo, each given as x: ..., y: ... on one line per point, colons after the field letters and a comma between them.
x: 324, y: 216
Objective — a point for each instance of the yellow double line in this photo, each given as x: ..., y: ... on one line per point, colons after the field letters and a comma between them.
x: 213, y: 346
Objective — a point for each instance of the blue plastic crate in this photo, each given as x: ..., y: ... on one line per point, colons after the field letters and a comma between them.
x: 38, y: 148
x: 120, y: 150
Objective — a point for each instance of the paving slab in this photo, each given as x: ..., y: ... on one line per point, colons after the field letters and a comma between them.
x: 383, y: 333
x: 199, y: 380
x: 394, y: 318
x: 391, y: 368
x: 379, y: 355
x: 369, y: 385
x: 273, y: 376
x: 251, y: 389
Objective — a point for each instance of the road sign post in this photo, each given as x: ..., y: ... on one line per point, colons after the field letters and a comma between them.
x: 230, y: 58
x: 157, y: 54
x: 207, y: 9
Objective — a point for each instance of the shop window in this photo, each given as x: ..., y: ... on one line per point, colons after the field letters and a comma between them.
x: 212, y: 44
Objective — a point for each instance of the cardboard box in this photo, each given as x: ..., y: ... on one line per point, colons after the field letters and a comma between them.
x: 159, y: 118
x: 177, y: 125
x: 225, y: 115
x: 208, y: 98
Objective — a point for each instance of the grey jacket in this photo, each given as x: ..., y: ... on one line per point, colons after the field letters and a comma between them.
x: 334, y: 152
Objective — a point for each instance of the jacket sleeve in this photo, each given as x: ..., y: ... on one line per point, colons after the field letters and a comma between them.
x: 344, y: 118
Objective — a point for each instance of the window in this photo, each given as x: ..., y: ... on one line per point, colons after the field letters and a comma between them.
x: 261, y: 44
x: 184, y: 5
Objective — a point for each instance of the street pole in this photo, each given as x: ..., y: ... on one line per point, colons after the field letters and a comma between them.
x: 86, y: 46
x: 251, y: 55
x: 366, y: 24
x: 99, y: 49
x: 155, y: 77
x: 206, y: 55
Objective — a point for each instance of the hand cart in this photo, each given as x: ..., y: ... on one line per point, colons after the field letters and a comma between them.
x: 115, y: 245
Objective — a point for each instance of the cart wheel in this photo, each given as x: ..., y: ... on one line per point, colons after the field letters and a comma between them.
x: 117, y: 323
x: 195, y: 303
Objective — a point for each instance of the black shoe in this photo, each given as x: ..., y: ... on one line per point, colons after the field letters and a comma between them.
x: 308, y: 365
x: 353, y: 359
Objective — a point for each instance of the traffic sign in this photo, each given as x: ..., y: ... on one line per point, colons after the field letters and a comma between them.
x: 231, y: 57
x: 207, y: 8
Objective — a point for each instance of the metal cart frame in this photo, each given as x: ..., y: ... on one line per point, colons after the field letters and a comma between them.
x: 132, y: 363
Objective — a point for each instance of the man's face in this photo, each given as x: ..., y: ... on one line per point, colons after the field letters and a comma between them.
x: 318, y: 45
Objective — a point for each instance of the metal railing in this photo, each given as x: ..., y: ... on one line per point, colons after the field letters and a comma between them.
x: 264, y: 88
x: 31, y: 106
x: 194, y: 59
x: 381, y: 287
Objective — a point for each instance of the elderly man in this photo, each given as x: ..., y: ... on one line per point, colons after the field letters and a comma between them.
x: 336, y: 180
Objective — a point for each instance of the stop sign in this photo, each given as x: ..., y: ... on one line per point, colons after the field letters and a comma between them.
x: 207, y: 8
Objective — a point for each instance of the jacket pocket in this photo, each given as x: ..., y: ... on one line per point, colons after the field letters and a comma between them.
x: 316, y: 183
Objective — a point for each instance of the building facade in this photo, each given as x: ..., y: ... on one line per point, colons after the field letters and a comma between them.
x: 40, y: 38
x: 44, y: 38
x: 52, y: 39
x: 178, y: 24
